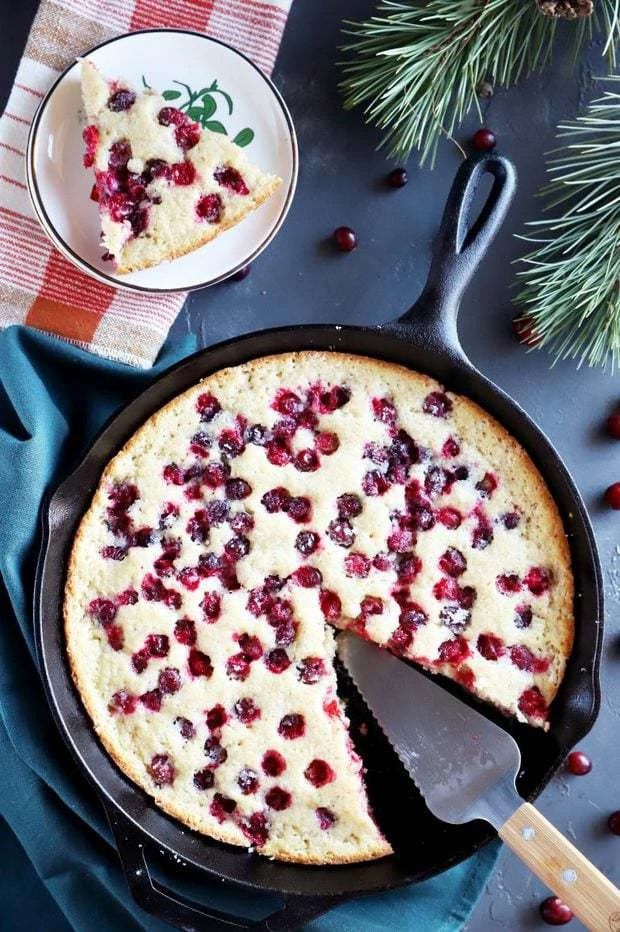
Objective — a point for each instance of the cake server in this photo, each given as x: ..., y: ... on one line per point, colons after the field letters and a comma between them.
x: 465, y: 767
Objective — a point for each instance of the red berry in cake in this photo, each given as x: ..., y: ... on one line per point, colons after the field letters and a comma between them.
x: 300, y: 509
x: 508, y: 583
x: 208, y: 406
x: 483, y: 140
x: 230, y: 178
x: 511, y: 520
x: 173, y: 474
x: 438, y: 404
x: 200, y: 664
x: 490, y: 646
x: 383, y: 410
x: 397, y: 178
x: 151, y: 700
x: 255, y: 828
x: 186, y: 728
x: 487, y: 485
x: 336, y: 397
x: 341, y: 532
x: 614, y: 823
x: 214, y: 752
x: 209, y: 208
x: 612, y: 496
x: 524, y: 659
x: 375, y: 483
x: 157, y: 645
x: 246, y: 711
x: 310, y: 670
x: 319, y: 773
x: 450, y: 448
x: 345, y: 239
x: 554, y: 912
x: 453, y: 562
x: 306, y: 461
x: 532, y: 703
x: 308, y: 577
x: 523, y: 616
x: 307, y: 542
x: 331, y: 605
x: 613, y: 426
x: 185, y: 631
x: 357, y: 564
x: 122, y: 702
x: 454, y: 651
x: 221, y: 807
x: 278, y: 451
x: 113, y: 553
x: 277, y: 660
x: 292, y: 726
x: 278, y: 799
x: 90, y: 135
x: 169, y: 680
x: 371, y: 605
x: 276, y: 500
x: 204, y: 779
x: 161, y: 770
x: 537, y: 580
x: 327, y: 442
x: 247, y: 781
x: 326, y: 818
x: 578, y: 763
x: 450, y: 518
x: 237, y: 547
x: 121, y: 99
x: 216, y: 717
x: 273, y: 763
x: 238, y: 667
x: 102, y: 610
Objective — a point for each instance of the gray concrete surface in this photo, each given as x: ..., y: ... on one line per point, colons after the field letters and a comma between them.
x: 299, y: 280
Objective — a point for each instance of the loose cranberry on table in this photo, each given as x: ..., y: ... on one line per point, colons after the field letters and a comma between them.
x: 241, y: 273
x: 614, y: 823
x: 398, y: 178
x: 554, y: 912
x: 345, y: 239
x: 578, y: 763
x: 613, y: 426
x: 612, y: 496
x: 483, y: 140
x: 524, y: 328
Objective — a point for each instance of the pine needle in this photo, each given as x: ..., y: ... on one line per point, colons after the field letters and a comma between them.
x: 570, y: 288
x: 414, y: 66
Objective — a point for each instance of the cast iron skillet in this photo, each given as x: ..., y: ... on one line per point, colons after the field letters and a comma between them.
x: 425, y: 338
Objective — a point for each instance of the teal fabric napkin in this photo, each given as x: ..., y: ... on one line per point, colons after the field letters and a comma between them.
x: 58, y: 867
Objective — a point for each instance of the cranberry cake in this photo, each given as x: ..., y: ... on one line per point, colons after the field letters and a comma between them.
x: 164, y: 185
x: 249, y: 519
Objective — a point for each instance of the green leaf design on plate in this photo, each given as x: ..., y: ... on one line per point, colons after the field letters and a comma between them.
x: 171, y: 95
x: 209, y: 107
x: 215, y: 126
x: 244, y: 137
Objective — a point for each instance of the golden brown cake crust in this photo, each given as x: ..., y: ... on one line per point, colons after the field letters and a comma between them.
x: 486, y: 439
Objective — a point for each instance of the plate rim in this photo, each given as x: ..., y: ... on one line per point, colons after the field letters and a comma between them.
x: 66, y: 249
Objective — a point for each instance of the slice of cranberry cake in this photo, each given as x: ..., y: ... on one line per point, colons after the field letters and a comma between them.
x: 270, y: 499
x: 164, y: 185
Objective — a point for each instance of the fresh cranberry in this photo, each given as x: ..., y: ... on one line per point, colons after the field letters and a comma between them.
x: 383, y: 410
x: 90, y: 135
x: 209, y: 208
x: 122, y: 99
x: 482, y: 534
x: 161, y: 770
x: 278, y: 451
x: 123, y: 702
x: 278, y: 799
x: 246, y: 711
x: 453, y: 651
x: 483, y: 140
x: 241, y: 521
x: 326, y: 818
x: 340, y: 531
x: 613, y: 426
x: 173, y: 474
x: 169, y: 680
x: 487, y: 485
x: 407, y: 567
x: 152, y: 700
x: 154, y: 590
x: 277, y: 660
x: 300, y: 509
x: 200, y: 664
x: 275, y: 500
x: 255, y: 828
x: 357, y: 564
x: 306, y: 542
x: 331, y: 605
x: 310, y: 670
x: 437, y: 403
x: 537, y: 580
x: 371, y: 605
x: 397, y: 178
x: 511, y: 520
x: 221, y: 807
x: 273, y: 763
x: 237, y: 489
x: 578, y: 763
x: 216, y: 717
x: 446, y: 590
x: 189, y: 577
x: 187, y: 135
x: 168, y: 115
x: 214, y: 752
x: 490, y: 646
x: 168, y: 516
x: 612, y: 496
x: 140, y: 660
x: 102, y: 610
x: 287, y: 402
x: 259, y: 602
x: 453, y: 562
x: 251, y: 646
x: 182, y: 173
x: 319, y: 773
x: 450, y: 448
x: 198, y: 527
x: 306, y: 461
x: 237, y: 547
x: 531, y: 703
x: 524, y: 328
x: 554, y: 912
x: 186, y: 728
x: 450, y: 518
x: 508, y: 583
x: 327, y: 442
x: 238, y: 667
x: 383, y: 562
x: 524, y: 659
x: 204, y: 779
x: 286, y: 633
x: 118, y: 155
x: 280, y: 611
x: 230, y: 178
x: 614, y: 823
x: 247, y: 781
x: 437, y: 481
x: 345, y: 239
x: 157, y: 645
x: 308, y: 577
x: 185, y: 631
x: 208, y: 406
x: 292, y: 726
x: 375, y: 483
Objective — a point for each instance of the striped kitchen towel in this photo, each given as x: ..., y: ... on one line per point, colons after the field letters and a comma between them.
x: 38, y: 287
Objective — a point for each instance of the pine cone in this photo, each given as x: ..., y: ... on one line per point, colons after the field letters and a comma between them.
x: 565, y: 9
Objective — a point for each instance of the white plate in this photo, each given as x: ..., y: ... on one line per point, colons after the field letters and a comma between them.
x: 245, y: 99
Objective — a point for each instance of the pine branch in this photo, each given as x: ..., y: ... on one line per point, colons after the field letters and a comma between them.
x: 414, y: 67
x: 570, y: 290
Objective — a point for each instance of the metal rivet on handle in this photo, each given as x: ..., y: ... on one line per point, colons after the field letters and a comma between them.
x: 569, y: 875
x: 528, y: 833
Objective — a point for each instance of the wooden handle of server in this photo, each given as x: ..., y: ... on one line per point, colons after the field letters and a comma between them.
x: 561, y: 867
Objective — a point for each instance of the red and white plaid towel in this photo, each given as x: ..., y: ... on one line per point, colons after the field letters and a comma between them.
x: 38, y: 286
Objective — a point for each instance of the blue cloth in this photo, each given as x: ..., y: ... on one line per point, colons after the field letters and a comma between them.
x: 58, y: 867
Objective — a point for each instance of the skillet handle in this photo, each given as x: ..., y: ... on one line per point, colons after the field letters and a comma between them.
x: 458, y: 250
x: 182, y: 913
